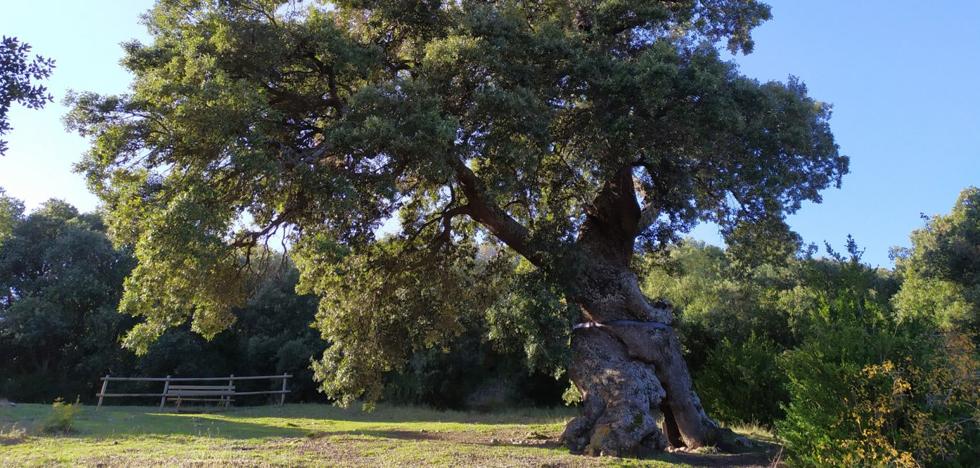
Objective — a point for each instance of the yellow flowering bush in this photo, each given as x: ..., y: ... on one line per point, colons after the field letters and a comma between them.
x: 903, y: 396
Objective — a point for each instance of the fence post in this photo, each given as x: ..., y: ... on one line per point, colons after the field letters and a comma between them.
x: 231, y: 383
x: 282, y: 396
x: 105, y: 384
x: 166, y: 388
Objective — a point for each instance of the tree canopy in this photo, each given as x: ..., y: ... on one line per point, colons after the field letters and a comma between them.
x: 385, y: 141
x: 18, y: 75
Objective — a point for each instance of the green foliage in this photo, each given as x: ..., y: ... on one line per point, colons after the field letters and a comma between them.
x: 61, y: 420
x: 860, y: 384
x: 440, y: 338
x: 70, y: 313
x: 869, y: 389
x: 272, y: 331
x: 271, y: 335
x: 166, y: 286
x: 733, y: 326
x: 393, y: 314
x: 60, y: 281
x: 530, y: 317
x: 839, y: 287
x: 18, y: 75
x: 11, y: 212
x: 467, y: 122
x: 941, y: 273
x: 872, y: 397
x: 474, y: 372
x: 718, y: 298
x: 737, y: 319
x: 742, y: 382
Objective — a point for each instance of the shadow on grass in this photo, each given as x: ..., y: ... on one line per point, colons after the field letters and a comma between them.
x: 497, y: 439
x: 110, y: 422
x: 261, y: 421
x: 420, y: 415
x: 515, y: 428
x: 761, y: 455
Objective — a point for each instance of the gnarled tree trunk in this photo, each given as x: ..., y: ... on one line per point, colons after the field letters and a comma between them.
x: 626, y: 358
x: 627, y: 363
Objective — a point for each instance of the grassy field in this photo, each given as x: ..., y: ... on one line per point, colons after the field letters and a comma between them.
x: 317, y: 435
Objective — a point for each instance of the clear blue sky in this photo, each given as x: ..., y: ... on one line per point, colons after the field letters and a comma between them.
x: 903, y: 76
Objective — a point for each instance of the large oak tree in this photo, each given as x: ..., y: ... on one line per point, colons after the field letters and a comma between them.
x: 572, y: 133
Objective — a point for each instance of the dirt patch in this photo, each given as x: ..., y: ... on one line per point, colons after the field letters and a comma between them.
x: 12, y: 434
x: 442, y: 449
x: 762, y: 455
x: 11, y: 439
x: 499, y: 438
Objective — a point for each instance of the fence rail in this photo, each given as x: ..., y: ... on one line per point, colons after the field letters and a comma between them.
x: 193, y: 379
x: 168, y: 380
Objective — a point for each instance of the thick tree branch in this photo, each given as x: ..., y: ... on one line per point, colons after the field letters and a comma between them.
x: 501, y: 224
x: 610, y: 227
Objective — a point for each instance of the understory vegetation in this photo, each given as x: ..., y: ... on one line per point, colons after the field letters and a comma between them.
x: 848, y: 364
x: 852, y: 365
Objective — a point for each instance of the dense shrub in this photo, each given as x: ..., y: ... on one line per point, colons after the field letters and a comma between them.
x: 868, y: 388
x: 903, y: 396
x: 741, y: 382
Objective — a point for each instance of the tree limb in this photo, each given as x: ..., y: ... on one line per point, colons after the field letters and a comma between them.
x: 501, y: 224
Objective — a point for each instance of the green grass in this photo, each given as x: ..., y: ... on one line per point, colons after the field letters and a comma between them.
x: 296, y: 435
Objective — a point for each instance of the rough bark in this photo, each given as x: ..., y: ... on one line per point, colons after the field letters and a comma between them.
x: 628, y: 366
x: 621, y: 399
x: 626, y: 358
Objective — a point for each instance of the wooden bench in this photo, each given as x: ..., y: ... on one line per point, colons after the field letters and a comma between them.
x: 181, y: 393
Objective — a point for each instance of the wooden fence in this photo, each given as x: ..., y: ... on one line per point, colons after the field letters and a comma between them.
x: 231, y: 379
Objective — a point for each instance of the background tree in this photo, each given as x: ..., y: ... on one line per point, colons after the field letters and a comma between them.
x: 11, y: 212
x: 61, y: 280
x: 941, y: 271
x: 735, y: 321
x: 572, y: 133
x: 18, y: 72
x: 848, y: 380
x: 732, y: 326
x: 60, y: 283
x: 272, y: 335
